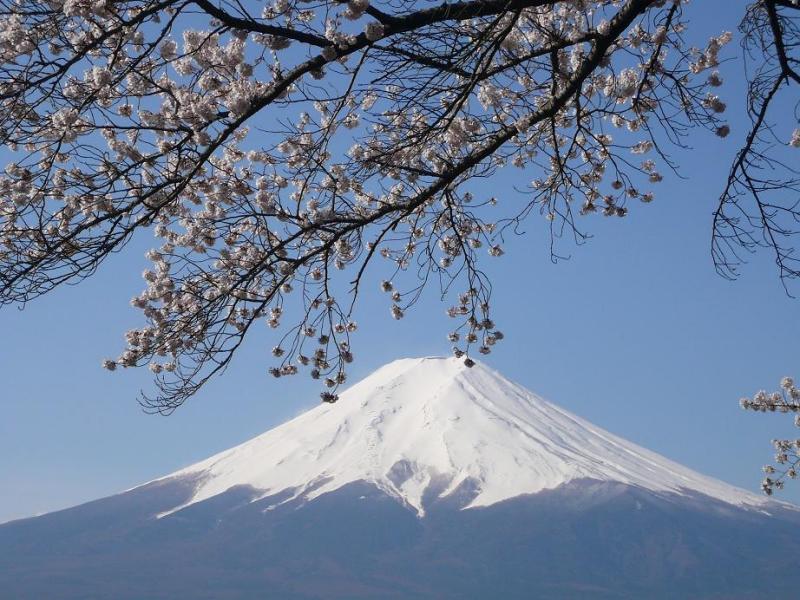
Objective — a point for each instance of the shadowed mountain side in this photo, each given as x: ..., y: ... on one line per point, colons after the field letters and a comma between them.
x: 584, y: 539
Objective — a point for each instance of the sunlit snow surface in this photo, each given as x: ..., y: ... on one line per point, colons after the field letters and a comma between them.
x: 418, y: 422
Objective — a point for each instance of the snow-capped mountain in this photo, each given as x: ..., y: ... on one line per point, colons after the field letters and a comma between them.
x: 433, y: 424
x: 427, y: 479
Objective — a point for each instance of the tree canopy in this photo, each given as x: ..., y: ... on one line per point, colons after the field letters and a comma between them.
x: 278, y: 149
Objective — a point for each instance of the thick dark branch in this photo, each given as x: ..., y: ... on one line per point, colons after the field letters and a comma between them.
x: 460, y: 11
x: 780, y: 48
x: 258, y: 27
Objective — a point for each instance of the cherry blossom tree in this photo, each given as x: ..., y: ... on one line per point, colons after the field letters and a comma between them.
x: 787, y: 451
x: 278, y: 149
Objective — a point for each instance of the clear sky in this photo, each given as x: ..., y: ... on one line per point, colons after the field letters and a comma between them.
x: 635, y: 332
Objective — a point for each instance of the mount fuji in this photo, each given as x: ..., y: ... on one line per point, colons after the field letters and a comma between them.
x: 427, y: 479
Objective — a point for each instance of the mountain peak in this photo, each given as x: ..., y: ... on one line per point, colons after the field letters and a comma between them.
x: 418, y: 427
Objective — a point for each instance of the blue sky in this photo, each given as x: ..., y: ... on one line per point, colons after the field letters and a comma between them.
x: 635, y: 332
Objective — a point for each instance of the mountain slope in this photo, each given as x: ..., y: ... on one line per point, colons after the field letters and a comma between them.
x: 585, y: 539
x: 432, y: 425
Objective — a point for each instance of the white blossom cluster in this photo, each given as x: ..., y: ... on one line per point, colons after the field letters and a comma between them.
x: 787, y: 452
x: 794, y: 142
x: 270, y: 151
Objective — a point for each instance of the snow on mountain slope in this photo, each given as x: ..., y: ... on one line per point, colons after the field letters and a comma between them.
x: 414, y: 422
